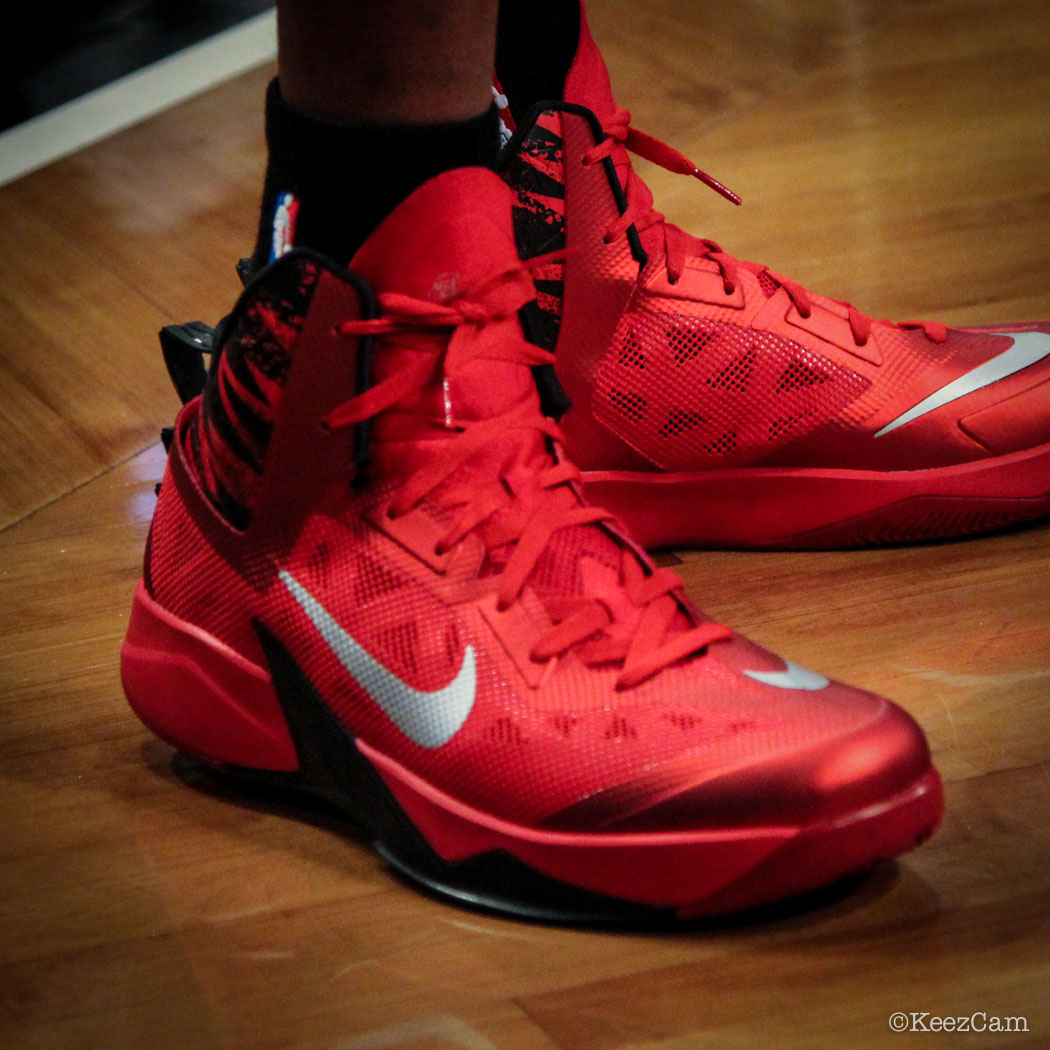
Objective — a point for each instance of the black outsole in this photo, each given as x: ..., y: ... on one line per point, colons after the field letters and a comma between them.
x: 334, y: 774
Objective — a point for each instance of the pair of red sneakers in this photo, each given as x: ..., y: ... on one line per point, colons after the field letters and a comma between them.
x: 374, y: 578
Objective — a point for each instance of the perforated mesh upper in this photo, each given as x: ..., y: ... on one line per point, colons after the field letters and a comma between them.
x: 712, y: 392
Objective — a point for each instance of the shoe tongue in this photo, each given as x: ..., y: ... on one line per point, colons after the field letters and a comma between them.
x: 453, y: 234
x: 454, y: 231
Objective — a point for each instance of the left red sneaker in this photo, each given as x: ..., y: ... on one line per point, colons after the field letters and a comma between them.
x: 371, y: 582
x: 718, y: 403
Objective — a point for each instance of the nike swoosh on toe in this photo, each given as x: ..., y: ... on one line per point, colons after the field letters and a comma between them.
x: 793, y: 677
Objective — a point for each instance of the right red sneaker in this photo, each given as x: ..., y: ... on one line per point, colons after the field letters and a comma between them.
x: 371, y: 580
x: 718, y: 403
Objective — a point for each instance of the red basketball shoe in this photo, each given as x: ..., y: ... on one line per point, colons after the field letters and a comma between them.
x: 371, y: 580
x: 718, y: 403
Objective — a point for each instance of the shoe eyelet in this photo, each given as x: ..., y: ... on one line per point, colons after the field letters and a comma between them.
x: 606, y: 239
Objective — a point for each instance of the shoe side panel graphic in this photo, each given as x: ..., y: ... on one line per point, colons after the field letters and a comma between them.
x: 229, y: 442
x: 535, y: 171
x: 689, y: 392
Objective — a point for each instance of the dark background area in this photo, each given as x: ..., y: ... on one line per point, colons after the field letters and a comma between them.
x: 58, y: 51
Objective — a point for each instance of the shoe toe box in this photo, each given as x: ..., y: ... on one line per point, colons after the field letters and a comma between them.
x: 800, y: 783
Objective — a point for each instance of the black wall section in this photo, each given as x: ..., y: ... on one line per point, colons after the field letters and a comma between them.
x: 61, y: 50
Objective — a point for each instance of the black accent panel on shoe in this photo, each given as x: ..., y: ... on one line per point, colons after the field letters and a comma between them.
x: 541, y: 326
x: 334, y: 773
x: 533, y: 168
x: 554, y: 402
x: 529, y: 179
x: 536, y: 41
x: 183, y: 347
x: 254, y: 346
x: 523, y: 139
x: 220, y: 422
x: 241, y: 371
x: 249, y: 422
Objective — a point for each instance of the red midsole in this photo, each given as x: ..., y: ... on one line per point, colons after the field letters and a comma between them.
x: 199, y: 694
x: 754, y: 505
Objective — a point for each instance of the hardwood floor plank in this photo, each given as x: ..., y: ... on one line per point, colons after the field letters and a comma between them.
x: 167, y: 206
x: 911, y: 176
x: 77, y: 392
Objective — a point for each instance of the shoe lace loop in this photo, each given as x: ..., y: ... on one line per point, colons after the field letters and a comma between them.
x: 580, y: 623
x: 678, y: 244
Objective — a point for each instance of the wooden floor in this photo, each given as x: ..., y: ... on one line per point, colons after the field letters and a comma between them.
x: 894, y: 153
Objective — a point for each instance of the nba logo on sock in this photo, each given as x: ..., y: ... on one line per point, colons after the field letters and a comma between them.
x: 284, y: 225
x: 506, y: 121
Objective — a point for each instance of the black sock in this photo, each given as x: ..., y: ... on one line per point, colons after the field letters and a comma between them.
x: 536, y: 41
x: 329, y: 185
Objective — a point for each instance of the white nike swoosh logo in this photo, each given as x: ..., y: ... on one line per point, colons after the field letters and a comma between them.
x: 794, y: 677
x: 428, y: 719
x: 1027, y: 349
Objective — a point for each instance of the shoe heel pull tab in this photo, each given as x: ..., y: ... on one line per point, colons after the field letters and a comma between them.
x: 183, y: 346
x: 246, y: 270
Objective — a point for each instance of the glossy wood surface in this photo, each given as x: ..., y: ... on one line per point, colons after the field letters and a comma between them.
x: 896, y: 154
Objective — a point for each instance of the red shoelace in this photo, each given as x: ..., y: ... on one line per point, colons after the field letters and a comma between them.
x: 580, y: 622
x: 678, y: 244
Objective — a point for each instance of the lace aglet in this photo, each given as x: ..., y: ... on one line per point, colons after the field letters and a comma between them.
x: 446, y: 391
x: 668, y: 157
x: 713, y: 183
